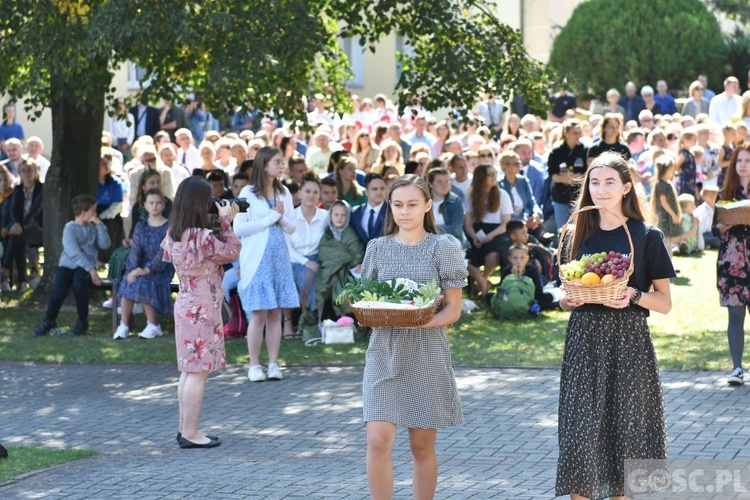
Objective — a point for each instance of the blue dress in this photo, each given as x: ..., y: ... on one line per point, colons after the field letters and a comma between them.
x: 272, y: 285
x: 153, y: 288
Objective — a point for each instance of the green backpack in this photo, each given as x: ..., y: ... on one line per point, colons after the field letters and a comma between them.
x: 513, y: 297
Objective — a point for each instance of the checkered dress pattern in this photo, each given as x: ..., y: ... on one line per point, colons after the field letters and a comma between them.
x: 408, y: 378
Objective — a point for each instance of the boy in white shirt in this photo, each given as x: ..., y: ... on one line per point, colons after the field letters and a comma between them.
x: 705, y: 215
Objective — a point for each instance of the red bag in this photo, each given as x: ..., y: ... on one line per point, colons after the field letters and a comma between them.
x: 236, y: 327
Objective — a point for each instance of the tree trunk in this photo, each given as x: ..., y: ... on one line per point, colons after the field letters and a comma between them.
x: 74, y: 170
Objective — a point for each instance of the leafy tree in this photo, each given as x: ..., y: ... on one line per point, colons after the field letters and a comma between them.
x: 739, y: 10
x: 63, y: 53
x: 738, y: 55
x: 608, y: 42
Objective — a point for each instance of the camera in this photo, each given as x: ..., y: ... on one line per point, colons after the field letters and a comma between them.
x: 240, y: 202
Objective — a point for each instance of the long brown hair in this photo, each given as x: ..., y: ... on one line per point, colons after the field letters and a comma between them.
x: 732, y: 186
x: 588, y: 222
x: 409, y: 180
x: 483, y: 199
x: 140, y: 198
x: 259, y: 177
x: 344, y: 161
x: 190, y: 207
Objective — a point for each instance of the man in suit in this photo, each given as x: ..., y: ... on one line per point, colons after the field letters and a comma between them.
x: 146, y: 119
x: 368, y: 219
x: 632, y: 103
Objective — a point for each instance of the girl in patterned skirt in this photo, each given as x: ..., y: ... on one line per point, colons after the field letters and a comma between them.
x: 733, y: 268
x: 611, y: 404
x: 197, y: 255
x: 408, y: 379
x: 266, y: 281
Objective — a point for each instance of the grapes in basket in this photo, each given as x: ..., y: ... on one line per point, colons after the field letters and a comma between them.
x: 597, y: 268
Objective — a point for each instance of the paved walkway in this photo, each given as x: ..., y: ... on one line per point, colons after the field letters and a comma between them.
x: 303, y: 437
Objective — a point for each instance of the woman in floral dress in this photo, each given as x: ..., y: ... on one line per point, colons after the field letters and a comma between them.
x: 198, y: 254
x: 733, y: 266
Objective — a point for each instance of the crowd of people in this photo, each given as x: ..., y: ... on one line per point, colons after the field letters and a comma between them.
x: 386, y: 194
x: 496, y: 178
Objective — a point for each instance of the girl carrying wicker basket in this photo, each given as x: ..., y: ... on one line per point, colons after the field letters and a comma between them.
x: 408, y: 379
x: 611, y: 405
x: 733, y: 266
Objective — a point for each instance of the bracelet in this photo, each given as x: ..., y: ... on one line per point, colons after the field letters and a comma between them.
x: 636, y: 297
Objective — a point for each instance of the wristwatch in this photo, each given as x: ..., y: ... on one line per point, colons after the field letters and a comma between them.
x: 636, y: 297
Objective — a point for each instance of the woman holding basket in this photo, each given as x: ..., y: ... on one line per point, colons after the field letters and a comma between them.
x: 611, y: 404
x: 408, y: 379
x: 732, y: 266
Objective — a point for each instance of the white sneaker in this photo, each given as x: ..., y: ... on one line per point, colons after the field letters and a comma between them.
x: 34, y: 282
x: 137, y: 308
x: 121, y: 332
x: 22, y: 287
x: 736, y: 378
x: 274, y: 372
x: 255, y: 374
x: 107, y: 304
x: 151, y: 331
x: 5, y: 286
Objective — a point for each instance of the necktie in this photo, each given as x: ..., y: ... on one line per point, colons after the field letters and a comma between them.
x: 371, y: 224
x: 184, y: 154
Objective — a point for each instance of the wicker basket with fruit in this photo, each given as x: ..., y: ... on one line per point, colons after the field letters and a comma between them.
x: 733, y: 212
x: 396, y: 303
x: 596, y: 278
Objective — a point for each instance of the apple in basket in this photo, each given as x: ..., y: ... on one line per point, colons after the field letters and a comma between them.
x: 598, y: 268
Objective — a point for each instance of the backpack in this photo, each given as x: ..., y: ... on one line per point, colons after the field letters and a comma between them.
x: 513, y: 298
x: 236, y: 327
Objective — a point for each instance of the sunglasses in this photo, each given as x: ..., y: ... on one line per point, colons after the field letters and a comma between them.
x: 485, y: 155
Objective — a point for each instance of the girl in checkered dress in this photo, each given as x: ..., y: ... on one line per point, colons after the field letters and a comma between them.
x: 408, y: 379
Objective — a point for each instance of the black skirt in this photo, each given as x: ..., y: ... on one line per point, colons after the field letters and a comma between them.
x: 477, y: 255
x: 611, y: 403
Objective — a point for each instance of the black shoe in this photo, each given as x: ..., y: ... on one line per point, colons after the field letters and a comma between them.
x: 215, y: 438
x: 3, y: 452
x: 80, y: 329
x: 43, y: 329
x: 185, y: 444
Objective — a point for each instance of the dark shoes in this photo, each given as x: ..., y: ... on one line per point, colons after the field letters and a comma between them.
x: 43, y: 329
x: 80, y: 329
x: 185, y: 444
x: 215, y: 438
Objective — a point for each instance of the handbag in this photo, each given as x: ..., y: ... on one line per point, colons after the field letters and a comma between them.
x: 226, y: 312
x: 343, y: 334
x: 33, y: 234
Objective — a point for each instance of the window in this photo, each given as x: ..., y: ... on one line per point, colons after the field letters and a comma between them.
x: 135, y: 74
x: 405, y: 48
x: 356, y: 55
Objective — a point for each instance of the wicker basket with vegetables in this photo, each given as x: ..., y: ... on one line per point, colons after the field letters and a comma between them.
x: 396, y: 303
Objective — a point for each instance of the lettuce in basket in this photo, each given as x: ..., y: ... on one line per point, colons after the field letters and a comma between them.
x: 395, y: 291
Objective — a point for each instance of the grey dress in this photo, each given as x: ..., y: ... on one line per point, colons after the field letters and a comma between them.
x: 408, y: 378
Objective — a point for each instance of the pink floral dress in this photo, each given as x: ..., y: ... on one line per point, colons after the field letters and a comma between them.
x: 197, y: 259
x: 733, y: 265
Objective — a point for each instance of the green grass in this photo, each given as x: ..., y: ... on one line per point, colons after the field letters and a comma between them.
x: 23, y: 460
x: 690, y: 337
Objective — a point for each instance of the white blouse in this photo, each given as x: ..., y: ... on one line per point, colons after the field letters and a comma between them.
x: 506, y: 208
x: 306, y: 239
